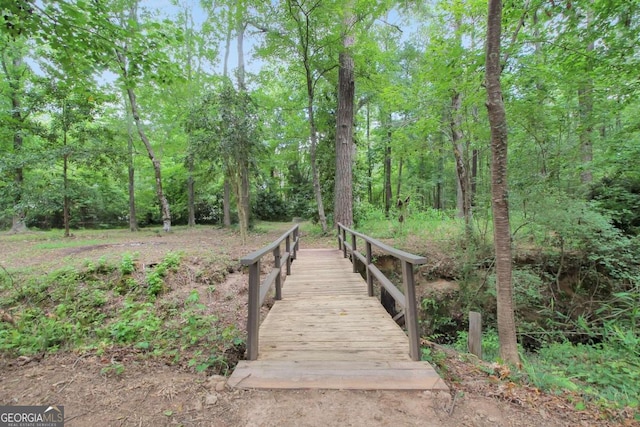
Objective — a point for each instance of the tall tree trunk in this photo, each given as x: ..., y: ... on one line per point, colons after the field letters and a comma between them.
x: 369, y: 159
x: 226, y: 197
x: 133, y: 105
x: 313, y: 132
x: 133, y: 221
x: 343, y: 194
x: 191, y: 193
x: 164, y: 204
x: 585, y: 104
x: 19, y: 217
x: 317, y: 190
x: 438, y: 196
x: 464, y: 182
x: 65, y: 187
x: 190, y: 161
x: 388, y: 196
x: 499, y: 188
x: 244, y: 203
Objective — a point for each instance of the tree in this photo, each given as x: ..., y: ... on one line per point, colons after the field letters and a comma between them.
x: 343, y: 196
x: 499, y: 188
x: 14, y: 69
x: 126, y: 55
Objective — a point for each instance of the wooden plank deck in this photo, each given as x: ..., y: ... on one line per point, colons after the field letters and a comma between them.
x: 327, y: 333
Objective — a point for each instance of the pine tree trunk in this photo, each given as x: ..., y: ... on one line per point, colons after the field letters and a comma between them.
x: 499, y: 194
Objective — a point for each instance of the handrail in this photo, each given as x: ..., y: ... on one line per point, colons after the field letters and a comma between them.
x: 258, y: 291
x: 406, y: 300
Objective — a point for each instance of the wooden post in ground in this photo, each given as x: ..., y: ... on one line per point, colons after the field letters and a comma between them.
x: 474, y: 342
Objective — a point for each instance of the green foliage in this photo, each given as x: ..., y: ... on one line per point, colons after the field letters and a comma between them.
x: 270, y: 207
x: 127, y: 265
x: 490, y: 344
x: 607, y: 373
x: 155, y: 278
x: 75, y: 309
x: 137, y: 323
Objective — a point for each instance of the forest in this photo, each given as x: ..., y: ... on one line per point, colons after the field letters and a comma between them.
x: 373, y: 113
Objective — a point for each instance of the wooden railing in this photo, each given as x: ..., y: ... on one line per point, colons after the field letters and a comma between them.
x: 258, y: 291
x: 406, y: 300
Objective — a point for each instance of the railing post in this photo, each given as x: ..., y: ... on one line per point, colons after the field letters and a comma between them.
x: 339, y: 241
x: 411, y: 315
x: 354, y: 260
x: 295, y: 243
x: 344, y: 241
x: 287, y: 247
x: 276, y: 256
x: 369, y: 275
x: 253, y: 320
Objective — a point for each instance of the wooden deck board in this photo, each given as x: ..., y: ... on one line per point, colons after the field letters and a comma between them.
x: 327, y: 333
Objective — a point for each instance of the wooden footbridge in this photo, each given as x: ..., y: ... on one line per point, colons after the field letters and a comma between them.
x: 326, y: 329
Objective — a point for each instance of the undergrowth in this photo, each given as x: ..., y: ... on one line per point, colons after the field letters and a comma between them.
x: 102, y: 306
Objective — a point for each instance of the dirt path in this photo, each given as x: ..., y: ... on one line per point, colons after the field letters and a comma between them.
x: 159, y: 395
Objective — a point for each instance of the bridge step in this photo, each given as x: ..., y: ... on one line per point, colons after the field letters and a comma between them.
x: 341, y: 375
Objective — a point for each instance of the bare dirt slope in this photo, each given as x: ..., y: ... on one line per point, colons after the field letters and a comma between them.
x: 152, y: 392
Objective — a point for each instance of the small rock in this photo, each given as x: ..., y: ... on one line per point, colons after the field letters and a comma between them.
x: 493, y: 420
x: 211, y: 399
x: 220, y: 386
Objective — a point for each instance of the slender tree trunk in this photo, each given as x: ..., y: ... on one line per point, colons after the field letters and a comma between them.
x: 65, y: 185
x: 388, y: 196
x: 369, y: 159
x: 464, y: 183
x: 585, y: 104
x: 164, y: 204
x: 133, y: 105
x: 399, y: 186
x: 191, y: 193
x: 65, y: 173
x: 226, y: 202
x: 313, y: 132
x: 343, y: 194
x: 317, y: 191
x: 226, y: 198
x: 499, y: 188
x: 190, y: 161
x: 133, y: 221
x: 244, y: 202
x: 19, y: 217
x: 438, y: 196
